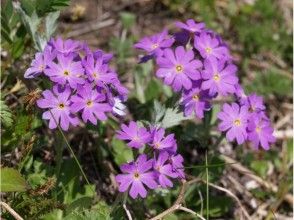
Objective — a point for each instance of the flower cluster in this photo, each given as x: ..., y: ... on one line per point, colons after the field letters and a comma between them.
x: 152, y: 169
x: 196, y: 62
x: 246, y: 120
x: 84, y: 85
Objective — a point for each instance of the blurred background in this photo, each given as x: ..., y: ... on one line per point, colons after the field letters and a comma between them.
x: 260, y: 36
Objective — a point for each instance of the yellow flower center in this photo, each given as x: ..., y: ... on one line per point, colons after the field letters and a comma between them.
x: 208, y: 50
x: 136, y: 175
x: 42, y: 67
x: 154, y: 46
x: 89, y: 103
x: 216, y: 77
x: 66, y: 73
x: 179, y: 68
x: 156, y: 145
x: 196, y: 97
x: 61, y: 106
x: 237, y: 122
x: 252, y: 108
x: 95, y: 75
x: 257, y: 129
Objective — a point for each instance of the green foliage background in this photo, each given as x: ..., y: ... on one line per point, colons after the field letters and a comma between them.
x: 261, y: 40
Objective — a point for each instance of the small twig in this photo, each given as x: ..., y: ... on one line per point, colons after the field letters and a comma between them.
x: 284, y: 134
x: 283, y: 121
x: 178, y: 203
x: 90, y: 27
x: 191, y: 211
x: 233, y: 196
x: 240, y: 168
x: 11, y: 211
x: 127, y: 212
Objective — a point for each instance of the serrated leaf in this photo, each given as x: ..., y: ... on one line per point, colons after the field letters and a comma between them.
x: 12, y: 181
x: 172, y: 117
x: 5, y: 114
x: 159, y: 111
x: 79, y: 204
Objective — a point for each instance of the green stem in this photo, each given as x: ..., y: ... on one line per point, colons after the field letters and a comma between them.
x: 209, y: 166
x: 59, y: 150
x: 207, y: 188
x: 70, y: 149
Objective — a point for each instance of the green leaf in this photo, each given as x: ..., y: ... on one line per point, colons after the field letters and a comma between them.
x: 31, y: 23
x: 153, y: 90
x: 159, y: 111
x: 290, y: 150
x: 139, y: 85
x: 56, y: 214
x: 128, y: 19
x: 12, y: 181
x: 271, y: 83
x: 260, y: 167
x: 17, y: 48
x: 51, y: 23
x: 79, y: 204
x: 122, y: 153
x: 99, y: 211
x: 8, y: 9
x: 173, y: 117
x: 5, y: 114
x: 28, y: 6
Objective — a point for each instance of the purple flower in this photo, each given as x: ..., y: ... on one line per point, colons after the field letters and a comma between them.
x: 218, y: 77
x: 66, y: 71
x: 98, y: 71
x: 135, y: 175
x: 91, y: 103
x: 154, y: 44
x: 58, y: 104
x: 234, y: 122
x: 239, y: 92
x: 122, y: 91
x: 210, y: 46
x: 196, y: 100
x: 65, y: 47
x: 191, y: 26
x: 164, y: 170
x: 100, y: 54
x: 260, y: 131
x: 178, y: 68
x: 177, y: 165
x: 253, y: 102
x: 138, y: 136
x: 182, y: 37
x: 40, y: 62
x: 160, y: 142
